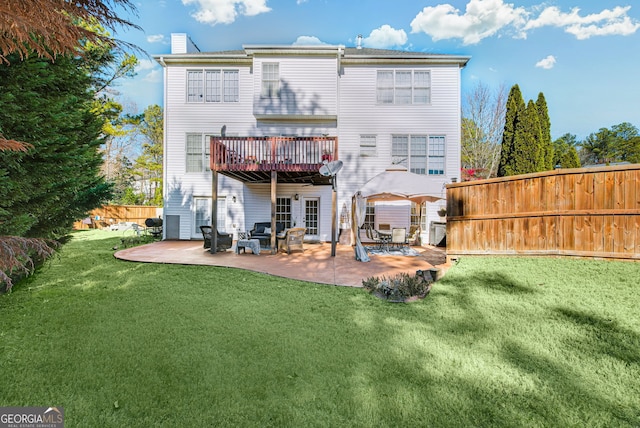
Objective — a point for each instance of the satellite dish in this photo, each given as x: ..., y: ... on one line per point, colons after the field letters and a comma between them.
x: 330, y: 169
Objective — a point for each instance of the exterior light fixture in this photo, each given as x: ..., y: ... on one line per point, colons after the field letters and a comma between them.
x: 296, y: 197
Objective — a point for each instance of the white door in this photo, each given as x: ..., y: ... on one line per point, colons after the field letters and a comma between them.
x: 312, y: 218
x: 202, y: 215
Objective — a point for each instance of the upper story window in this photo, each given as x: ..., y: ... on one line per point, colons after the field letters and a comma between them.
x: 403, y: 87
x: 270, y: 80
x: 213, y: 86
x: 419, y: 153
x: 367, y: 145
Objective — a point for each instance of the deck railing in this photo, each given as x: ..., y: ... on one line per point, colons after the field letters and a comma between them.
x: 271, y: 153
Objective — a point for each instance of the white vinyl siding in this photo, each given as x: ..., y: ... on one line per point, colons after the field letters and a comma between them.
x: 270, y: 80
x: 367, y: 145
x: 403, y: 87
x: 209, y: 86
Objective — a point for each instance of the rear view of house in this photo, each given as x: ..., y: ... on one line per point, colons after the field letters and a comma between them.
x: 250, y: 129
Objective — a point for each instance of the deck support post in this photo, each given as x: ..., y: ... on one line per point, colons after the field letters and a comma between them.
x: 274, y: 185
x: 214, y: 212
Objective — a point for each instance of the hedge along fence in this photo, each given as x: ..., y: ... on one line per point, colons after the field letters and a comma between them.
x: 112, y: 214
x: 587, y: 212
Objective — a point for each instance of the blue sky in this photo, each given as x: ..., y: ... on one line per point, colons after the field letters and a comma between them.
x: 584, y: 56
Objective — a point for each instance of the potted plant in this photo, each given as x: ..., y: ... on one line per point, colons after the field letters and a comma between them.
x: 442, y: 211
x: 326, y: 155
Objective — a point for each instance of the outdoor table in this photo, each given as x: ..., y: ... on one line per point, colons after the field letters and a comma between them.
x: 252, y: 244
x: 385, y: 239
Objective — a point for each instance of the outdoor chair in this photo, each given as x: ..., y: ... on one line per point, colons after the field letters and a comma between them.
x: 398, y: 237
x: 224, y: 240
x: 294, y: 239
x: 380, y: 241
x: 414, y: 235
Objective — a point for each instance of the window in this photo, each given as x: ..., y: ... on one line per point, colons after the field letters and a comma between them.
x: 194, y: 86
x: 419, y: 154
x: 197, y: 153
x: 370, y: 216
x: 436, y: 155
x: 415, y: 215
x: 367, y: 145
x: 231, y: 86
x: 270, y: 80
x: 213, y: 86
x: 283, y: 211
x: 403, y: 87
x: 400, y: 149
x: 385, y: 87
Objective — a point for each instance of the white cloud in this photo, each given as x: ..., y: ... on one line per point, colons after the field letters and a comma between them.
x: 301, y: 1
x: 308, y: 41
x: 486, y: 18
x: 155, y: 38
x: 154, y: 76
x: 385, y: 37
x: 547, y: 63
x: 482, y: 18
x: 606, y: 23
x: 214, y: 12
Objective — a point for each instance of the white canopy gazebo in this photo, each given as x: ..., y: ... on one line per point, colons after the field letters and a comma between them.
x: 394, y: 184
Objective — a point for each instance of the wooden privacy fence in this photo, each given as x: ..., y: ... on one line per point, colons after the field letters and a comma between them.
x: 113, y: 214
x: 587, y: 212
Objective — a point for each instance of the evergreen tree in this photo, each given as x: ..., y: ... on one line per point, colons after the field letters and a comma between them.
x: 512, y: 127
x: 545, y: 132
x: 565, y: 154
x: 528, y: 153
x: 48, y: 103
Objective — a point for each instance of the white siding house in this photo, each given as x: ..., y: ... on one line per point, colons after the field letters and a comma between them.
x: 272, y: 110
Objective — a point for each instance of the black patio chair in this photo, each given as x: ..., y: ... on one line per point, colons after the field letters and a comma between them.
x: 224, y: 240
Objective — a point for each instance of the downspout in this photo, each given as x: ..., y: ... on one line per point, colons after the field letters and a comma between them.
x: 164, y: 143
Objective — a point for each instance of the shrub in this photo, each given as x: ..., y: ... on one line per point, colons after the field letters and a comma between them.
x: 401, y: 287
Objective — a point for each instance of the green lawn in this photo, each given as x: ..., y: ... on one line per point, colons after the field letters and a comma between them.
x: 498, y: 342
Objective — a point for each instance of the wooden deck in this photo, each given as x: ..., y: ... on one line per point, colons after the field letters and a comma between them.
x: 253, y: 159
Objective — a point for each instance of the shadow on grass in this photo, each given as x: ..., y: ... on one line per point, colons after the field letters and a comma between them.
x: 603, y: 336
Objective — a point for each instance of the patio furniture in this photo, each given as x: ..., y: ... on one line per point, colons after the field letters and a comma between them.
x: 293, y: 239
x: 262, y: 231
x: 154, y: 226
x: 398, y: 237
x: 252, y: 244
x: 414, y: 235
x: 224, y: 240
x: 381, y: 240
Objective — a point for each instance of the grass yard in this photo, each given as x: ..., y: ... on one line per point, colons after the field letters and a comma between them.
x: 498, y: 342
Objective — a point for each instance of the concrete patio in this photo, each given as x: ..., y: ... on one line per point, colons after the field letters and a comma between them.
x: 315, y: 264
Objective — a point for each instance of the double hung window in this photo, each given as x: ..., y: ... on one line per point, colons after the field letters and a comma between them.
x: 270, y: 80
x: 197, y: 149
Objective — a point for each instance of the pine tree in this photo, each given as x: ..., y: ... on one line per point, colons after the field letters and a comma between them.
x: 48, y: 104
x: 513, y: 117
x: 528, y: 156
x: 545, y: 131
